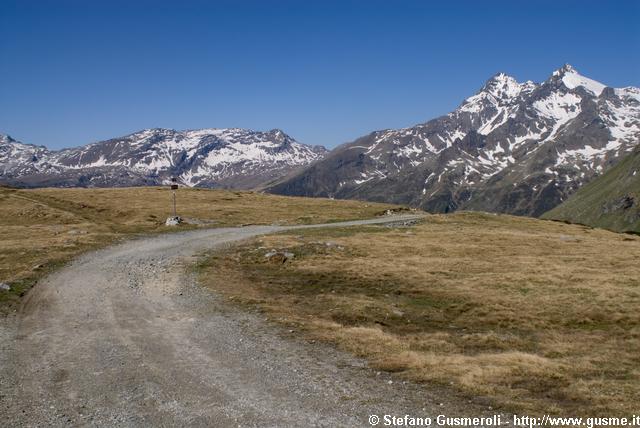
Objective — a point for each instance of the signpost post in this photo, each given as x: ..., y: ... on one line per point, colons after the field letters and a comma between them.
x: 174, y: 187
x: 175, y: 220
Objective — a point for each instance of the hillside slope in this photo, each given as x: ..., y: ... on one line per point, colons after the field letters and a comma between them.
x: 611, y: 201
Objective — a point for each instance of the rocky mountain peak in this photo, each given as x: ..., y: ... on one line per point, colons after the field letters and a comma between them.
x: 279, y: 136
x: 6, y: 139
x: 567, y: 68
x: 569, y: 78
x: 502, y: 86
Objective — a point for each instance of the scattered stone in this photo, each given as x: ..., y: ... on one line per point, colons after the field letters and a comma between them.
x: 405, y: 223
x: 395, y: 211
x: 274, y: 256
x: 4, y: 286
x: 173, y: 221
x: 77, y: 232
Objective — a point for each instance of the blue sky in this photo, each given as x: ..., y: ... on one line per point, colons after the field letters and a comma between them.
x: 325, y: 72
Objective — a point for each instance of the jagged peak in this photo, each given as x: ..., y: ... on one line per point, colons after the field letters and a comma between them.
x: 504, y: 86
x: 143, y: 133
x: 156, y: 131
x: 571, y: 79
x: 567, y: 68
x: 8, y: 139
x: 501, y: 75
x: 500, y: 79
x: 277, y: 132
x: 501, y: 87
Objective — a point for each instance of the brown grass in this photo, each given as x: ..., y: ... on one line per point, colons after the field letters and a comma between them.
x: 43, y: 228
x: 538, y: 316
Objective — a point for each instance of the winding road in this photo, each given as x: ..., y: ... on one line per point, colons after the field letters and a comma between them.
x: 125, y: 337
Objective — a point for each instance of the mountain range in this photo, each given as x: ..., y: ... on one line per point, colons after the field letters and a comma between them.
x: 227, y: 158
x: 519, y: 148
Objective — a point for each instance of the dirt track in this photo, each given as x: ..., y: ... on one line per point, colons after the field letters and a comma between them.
x: 123, y: 336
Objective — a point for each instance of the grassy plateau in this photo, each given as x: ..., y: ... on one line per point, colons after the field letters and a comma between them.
x: 526, y: 314
x: 41, y: 229
x: 532, y: 315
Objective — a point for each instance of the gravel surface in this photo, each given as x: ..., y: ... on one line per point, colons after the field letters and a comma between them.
x: 124, y: 337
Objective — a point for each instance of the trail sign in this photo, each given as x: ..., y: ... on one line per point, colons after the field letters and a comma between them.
x: 175, y: 220
x: 174, y: 187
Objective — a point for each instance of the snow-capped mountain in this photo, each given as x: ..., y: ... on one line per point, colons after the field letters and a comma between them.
x: 237, y: 158
x: 519, y: 148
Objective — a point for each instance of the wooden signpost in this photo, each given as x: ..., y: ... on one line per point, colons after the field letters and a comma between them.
x: 175, y: 220
x: 174, y: 187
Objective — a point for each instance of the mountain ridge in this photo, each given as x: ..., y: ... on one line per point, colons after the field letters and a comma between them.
x: 512, y: 147
x: 210, y: 157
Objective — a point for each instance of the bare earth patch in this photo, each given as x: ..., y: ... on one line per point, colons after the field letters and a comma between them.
x: 536, y: 316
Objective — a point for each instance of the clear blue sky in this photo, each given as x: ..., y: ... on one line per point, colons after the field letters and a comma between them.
x: 325, y: 72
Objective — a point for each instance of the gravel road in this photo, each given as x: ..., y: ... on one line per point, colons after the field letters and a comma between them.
x: 124, y: 337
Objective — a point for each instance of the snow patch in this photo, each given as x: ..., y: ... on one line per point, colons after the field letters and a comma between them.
x: 560, y: 107
x: 572, y: 80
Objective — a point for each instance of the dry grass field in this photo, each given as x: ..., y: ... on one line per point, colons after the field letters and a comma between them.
x: 43, y: 228
x: 533, y: 315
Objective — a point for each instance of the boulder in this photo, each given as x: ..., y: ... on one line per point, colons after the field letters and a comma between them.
x: 279, y: 257
x: 173, y: 221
